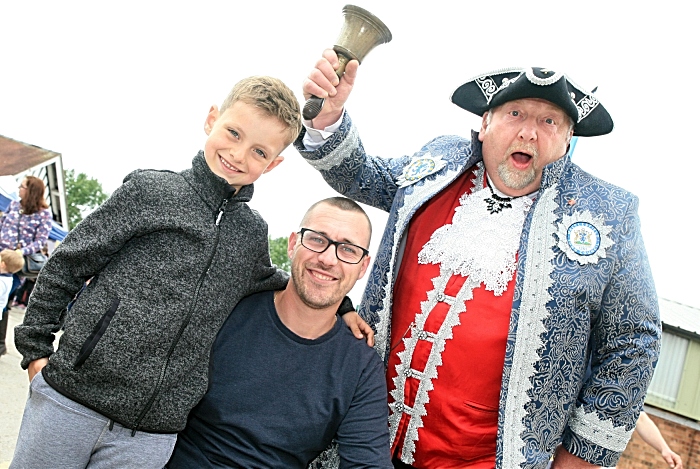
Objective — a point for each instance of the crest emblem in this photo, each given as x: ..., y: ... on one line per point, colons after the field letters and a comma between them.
x: 420, y: 167
x: 584, y: 238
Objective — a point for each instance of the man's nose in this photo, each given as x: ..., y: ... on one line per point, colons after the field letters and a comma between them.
x: 329, y: 257
x: 528, y: 132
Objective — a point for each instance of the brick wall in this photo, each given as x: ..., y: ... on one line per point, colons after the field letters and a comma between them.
x: 682, y: 439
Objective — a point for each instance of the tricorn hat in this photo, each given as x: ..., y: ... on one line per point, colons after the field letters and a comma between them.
x: 490, y: 90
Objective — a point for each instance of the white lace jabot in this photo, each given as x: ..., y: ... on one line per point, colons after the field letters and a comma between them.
x: 479, y: 244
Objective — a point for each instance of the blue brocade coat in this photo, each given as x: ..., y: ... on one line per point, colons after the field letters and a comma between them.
x: 573, y: 303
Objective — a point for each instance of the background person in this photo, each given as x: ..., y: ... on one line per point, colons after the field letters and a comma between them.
x: 649, y: 432
x: 11, y: 261
x: 502, y: 269
x: 25, y: 226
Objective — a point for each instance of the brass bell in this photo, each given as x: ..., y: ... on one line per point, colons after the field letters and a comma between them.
x: 361, y: 32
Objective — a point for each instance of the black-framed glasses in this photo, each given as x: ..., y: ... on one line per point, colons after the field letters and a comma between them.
x: 346, y: 252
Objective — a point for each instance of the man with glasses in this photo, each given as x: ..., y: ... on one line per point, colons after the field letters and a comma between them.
x: 286, y: 377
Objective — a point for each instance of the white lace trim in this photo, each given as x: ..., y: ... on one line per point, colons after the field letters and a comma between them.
x: 338, y: 155
x: 599, y: 432
x: 479, y: 173
x: 532, y: 313
x: 478, y: 244
x: 420, y: 194
x: 457, y: 256
x: 430, y: 372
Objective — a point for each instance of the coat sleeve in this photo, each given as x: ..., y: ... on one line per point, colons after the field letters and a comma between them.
x: 347, y: 168
x: 265, y: 276
x: 83, y: 254
x: 625, y: 342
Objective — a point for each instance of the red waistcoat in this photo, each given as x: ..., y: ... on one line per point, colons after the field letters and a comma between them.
x: 460, y: 425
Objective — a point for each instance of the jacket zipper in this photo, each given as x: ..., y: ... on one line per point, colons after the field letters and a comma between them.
x: 175, y: 341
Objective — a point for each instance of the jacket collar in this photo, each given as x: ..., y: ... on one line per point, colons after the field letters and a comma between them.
x: 212, y: 188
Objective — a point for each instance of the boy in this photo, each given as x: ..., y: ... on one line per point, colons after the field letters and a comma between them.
x: 169, y: 255
x: 11, y: 262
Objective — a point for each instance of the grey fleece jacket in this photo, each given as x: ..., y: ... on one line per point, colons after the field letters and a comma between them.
x: 170, y: 255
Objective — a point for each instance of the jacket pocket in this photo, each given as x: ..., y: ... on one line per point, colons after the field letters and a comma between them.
x: 96, y: 334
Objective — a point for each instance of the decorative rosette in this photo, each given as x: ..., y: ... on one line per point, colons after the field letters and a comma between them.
x: 584, y: 238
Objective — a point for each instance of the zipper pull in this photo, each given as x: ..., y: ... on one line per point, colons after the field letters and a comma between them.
x: 230, y: 194
x: 221, y: 211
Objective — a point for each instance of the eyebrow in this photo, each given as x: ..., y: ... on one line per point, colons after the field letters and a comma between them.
x: 346, y: 240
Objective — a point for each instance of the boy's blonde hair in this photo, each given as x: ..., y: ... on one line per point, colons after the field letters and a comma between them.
x: 271, y: 96
x: 13, y: 260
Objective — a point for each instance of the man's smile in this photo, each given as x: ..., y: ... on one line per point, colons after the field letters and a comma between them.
x: 321, y: 275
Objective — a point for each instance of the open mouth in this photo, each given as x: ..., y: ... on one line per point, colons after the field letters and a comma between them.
x: 521, y: 159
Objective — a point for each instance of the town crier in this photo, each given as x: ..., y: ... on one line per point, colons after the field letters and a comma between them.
x: 503, y: 271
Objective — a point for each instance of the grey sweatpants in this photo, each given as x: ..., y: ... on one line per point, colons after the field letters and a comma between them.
x: 59, y: 433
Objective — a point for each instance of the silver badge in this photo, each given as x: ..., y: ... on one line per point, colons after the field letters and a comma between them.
x: 420, y: 167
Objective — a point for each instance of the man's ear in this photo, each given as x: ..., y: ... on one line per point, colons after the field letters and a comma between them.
x: 568, y: 141
x: 273, y: 164
x: 211, y: 118
x: 365, y: 264
x: 484, y: 126
x: 291, y: 244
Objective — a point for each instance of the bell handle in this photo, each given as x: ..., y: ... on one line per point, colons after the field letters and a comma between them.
x: 312, y: 107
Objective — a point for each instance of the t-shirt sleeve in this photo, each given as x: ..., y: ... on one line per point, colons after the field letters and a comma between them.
x: 363, y: 435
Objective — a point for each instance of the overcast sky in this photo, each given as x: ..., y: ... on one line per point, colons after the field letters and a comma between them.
x: 125, y: 85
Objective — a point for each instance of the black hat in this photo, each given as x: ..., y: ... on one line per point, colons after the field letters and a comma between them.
x: 490, y: 90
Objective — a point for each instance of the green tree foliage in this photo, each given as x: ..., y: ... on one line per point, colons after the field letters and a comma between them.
x: 83, y: 195
x: 278, y: 253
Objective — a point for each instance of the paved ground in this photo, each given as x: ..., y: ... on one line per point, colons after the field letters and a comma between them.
x: 14, y: 386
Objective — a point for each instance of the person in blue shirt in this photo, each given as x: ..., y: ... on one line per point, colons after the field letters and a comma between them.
x: 287, y: 377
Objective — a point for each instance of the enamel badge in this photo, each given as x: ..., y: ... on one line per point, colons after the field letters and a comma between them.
x: 584, y: 238
x: 420, y: 167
